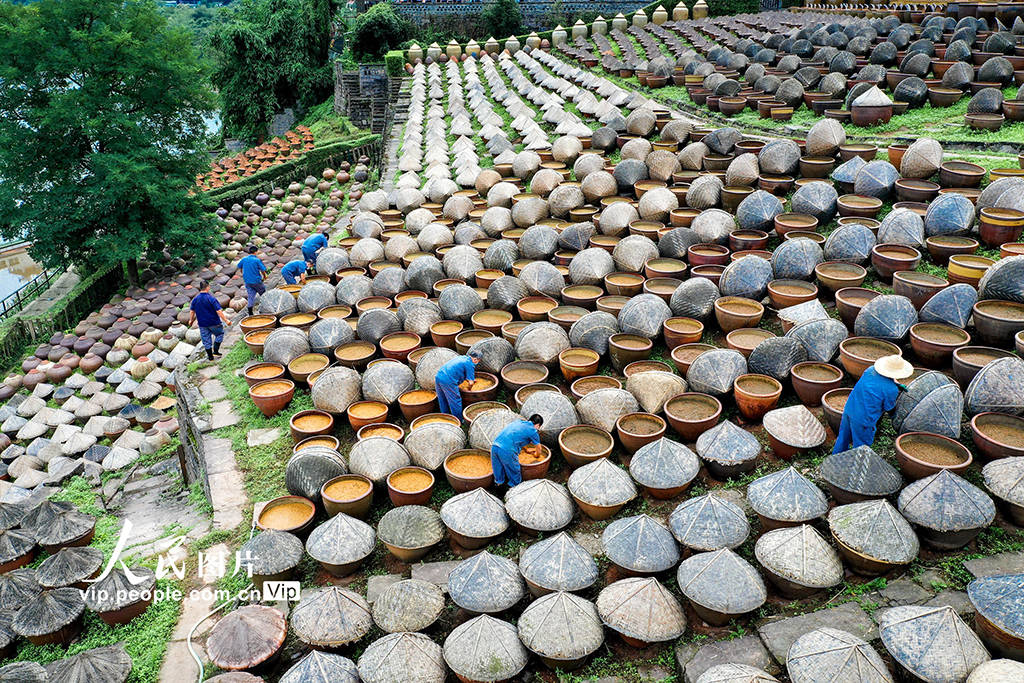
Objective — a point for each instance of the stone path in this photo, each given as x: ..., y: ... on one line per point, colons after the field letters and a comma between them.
x: 1004, y: 563
x: 693, y: 660
x: 779, y: 635
x: 227, y: 490
x: 57, y: 289
x: 387, y: 178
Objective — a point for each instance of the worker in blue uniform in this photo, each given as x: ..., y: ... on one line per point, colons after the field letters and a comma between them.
x: 460, y: 370
x: 507, y: 445
x: 294, y: 271
x: 312, y: 245
x: 253, y: 275
x: 205, y: 310
x: 875, y: 392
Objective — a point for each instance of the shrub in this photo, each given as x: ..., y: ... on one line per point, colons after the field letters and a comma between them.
x: 719, y: 8
x: 378, y: 30
x: 394, y: 60
x: 503, y: 18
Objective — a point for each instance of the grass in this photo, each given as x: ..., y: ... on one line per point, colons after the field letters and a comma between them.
x: 81, y: 494
x: 857, y: 592
x: 991, y: 541
x: 145, y: 638
x: 610, y: 664
x: 328, y: 127
x: 262, y: 465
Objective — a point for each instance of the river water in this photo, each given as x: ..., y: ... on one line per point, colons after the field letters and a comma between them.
x: 16, y: 269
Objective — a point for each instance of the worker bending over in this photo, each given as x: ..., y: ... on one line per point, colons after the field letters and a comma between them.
x: 507, y: 445
x: 875, y: 392
x: 460, y: 370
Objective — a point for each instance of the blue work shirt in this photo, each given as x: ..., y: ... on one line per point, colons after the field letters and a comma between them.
x: 511, y: 439
x: 205, y: 307
x: 314, y: 242
x: 456, y: 370
x: 871, y: 396
x: 251, y: 268
x: 294, y: 269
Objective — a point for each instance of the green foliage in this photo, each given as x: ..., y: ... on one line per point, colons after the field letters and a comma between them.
x: 441, y: 28
x: 503, y: 18
x: 198, y: 20
x: 558, y: 15
x: 718, y: 8
x: 272, y: 54
x: 394, y: 60
x: 876, y: 584
x: 608, y: 664
x: 145, y: 638
x: 101, y: 132
x: 378, y: 30
x: 326, y: 126
x: 198, y: 499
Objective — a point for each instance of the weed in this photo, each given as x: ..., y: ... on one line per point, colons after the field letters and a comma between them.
x: 876, y: 584
x: 510, y: 547
x: 609, y: 665
x: 198, y: 499
x: 745, y: 479
x: 736, y: 630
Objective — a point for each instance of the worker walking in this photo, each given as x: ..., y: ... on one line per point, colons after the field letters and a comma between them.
x: 507, y: 445
x: 253, y: 275
x: 294, y: 271
x: 207, y: 312
x: 312, y: 245
x: 875, y: 392
x: 460, y: 370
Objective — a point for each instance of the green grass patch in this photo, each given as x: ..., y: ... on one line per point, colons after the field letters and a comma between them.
x: 608, y: 664
x: 262, y: 466
x: 145, y: 639
x: 327, y: 126
x: 79, y: 492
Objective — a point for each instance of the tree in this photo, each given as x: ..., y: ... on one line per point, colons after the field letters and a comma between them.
x: 102, y: 132
x: 270, y: 55
x: 378, y: 30
x: 198, y: 20
x: 555, y: 16
x: 503, y: 18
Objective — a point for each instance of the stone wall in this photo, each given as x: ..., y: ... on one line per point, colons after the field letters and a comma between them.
x: 363, y: 96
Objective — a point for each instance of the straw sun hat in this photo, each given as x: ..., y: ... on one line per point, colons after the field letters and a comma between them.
x: 893, y: 367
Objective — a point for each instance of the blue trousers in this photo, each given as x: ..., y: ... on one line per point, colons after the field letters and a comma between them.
x: 309, y: 256
x: 506, y: 467
x: 449, y: 400
x: 211, y: 335
x: 253, y: 290
x: 853, y: 433
x: 289, y: 279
